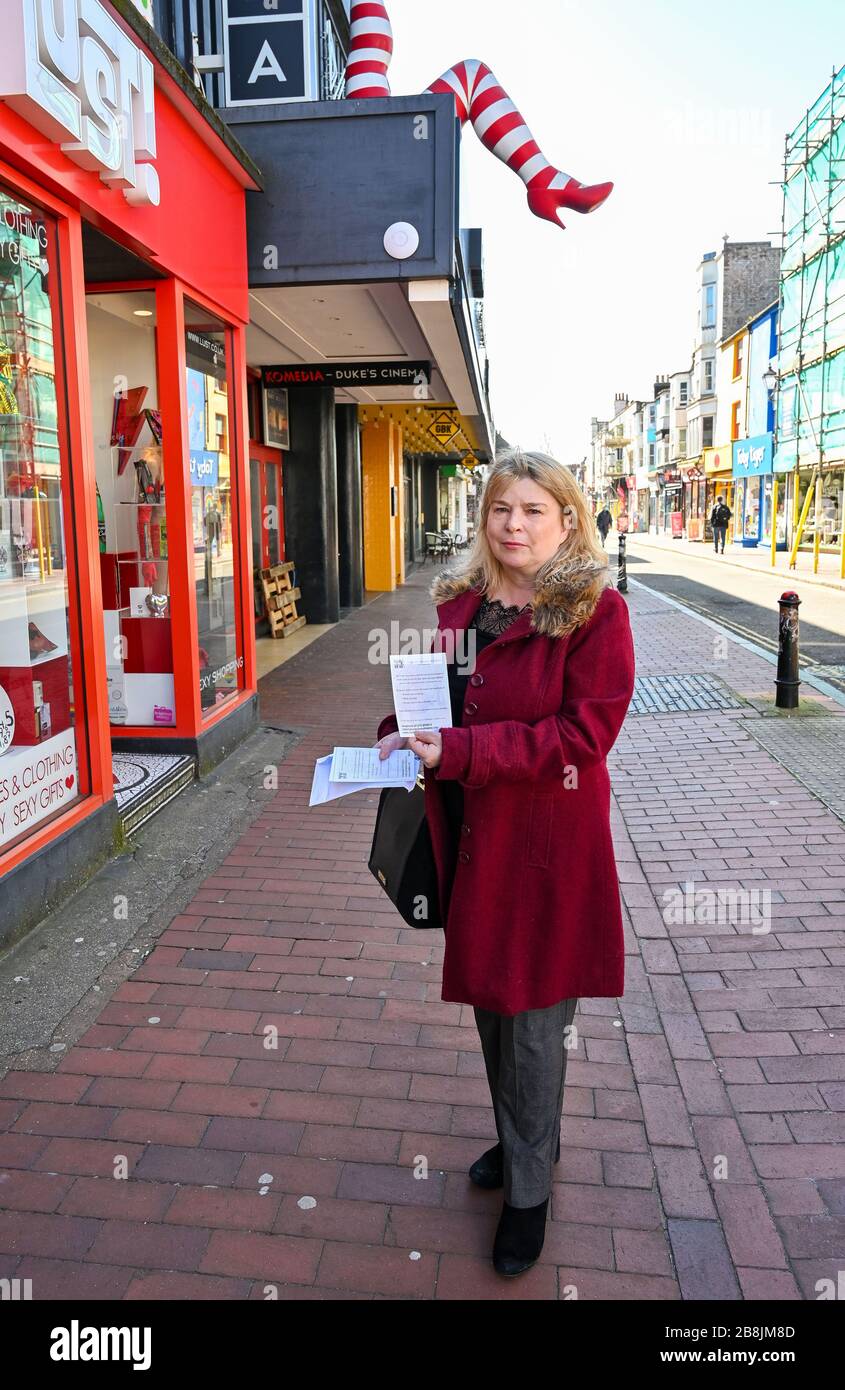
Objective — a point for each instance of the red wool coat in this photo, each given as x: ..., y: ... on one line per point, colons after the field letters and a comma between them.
x: 530, y: 896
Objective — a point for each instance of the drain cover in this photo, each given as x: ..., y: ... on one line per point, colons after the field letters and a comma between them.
x: 680, y: 694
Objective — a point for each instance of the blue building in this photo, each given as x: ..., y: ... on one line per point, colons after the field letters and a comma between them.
x: 753, y: 455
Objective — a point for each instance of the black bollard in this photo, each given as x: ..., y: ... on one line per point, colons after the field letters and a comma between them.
x: 622, y: 579
x: 787, y: 680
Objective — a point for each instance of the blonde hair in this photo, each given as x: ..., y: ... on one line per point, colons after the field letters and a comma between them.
x: 581, y: 542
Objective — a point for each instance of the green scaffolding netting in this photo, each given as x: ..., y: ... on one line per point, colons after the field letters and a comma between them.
x: 811, y: 394
x: 811, y: 410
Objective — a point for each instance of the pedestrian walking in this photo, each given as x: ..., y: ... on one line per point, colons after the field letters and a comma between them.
x: 604, y: 521
x: 517, y: 799
x: 719, y: 518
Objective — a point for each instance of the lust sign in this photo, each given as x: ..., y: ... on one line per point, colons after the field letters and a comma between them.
x: 70, y: 70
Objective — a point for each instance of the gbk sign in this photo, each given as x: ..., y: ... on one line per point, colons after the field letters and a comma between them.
x: 267, y: 49
x: 70, y: 70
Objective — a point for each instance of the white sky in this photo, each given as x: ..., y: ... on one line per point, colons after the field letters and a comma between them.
x: 684, y: 104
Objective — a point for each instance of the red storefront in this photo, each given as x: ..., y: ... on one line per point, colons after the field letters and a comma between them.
x: 125, y: 550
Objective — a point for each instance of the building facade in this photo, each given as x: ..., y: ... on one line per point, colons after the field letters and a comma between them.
x: 749, y: 360
x: 809, y: 455
x: 366, y: 333
x: 125, y: 605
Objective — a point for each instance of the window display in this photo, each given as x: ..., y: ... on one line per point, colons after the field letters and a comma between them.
x: 38, y: 752
x: 213, y: 506
x: 751, y: 509
x: 831, y: 504
x: 132, y: 512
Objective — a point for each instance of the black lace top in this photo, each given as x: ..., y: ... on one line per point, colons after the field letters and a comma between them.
x: 491, y: 619
x: 494, y: 617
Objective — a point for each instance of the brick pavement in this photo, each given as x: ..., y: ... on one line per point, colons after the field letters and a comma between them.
x: 701, y: 1152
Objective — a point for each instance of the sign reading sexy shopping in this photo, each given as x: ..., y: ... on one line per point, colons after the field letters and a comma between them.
x: 35, y: 782
x: 70, y: 70
x: 267, y: 51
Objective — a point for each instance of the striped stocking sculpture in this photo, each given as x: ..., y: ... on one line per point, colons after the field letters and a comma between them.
x: 478, y: 98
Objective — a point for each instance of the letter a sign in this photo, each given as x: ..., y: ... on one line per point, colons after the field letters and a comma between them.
x: 267, y: 51
x: 266, y: 65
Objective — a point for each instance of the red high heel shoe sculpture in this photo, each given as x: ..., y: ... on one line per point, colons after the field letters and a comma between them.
x: 480, y: 99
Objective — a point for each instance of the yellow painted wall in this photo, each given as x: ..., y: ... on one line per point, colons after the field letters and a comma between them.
x: 377, y: 452
x: 399, y: 519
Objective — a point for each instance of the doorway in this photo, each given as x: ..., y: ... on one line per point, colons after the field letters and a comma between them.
x: 268, y: 530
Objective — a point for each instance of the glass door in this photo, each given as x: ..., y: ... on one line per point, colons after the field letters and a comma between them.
x: 131, y: 507
x: 214, y: 505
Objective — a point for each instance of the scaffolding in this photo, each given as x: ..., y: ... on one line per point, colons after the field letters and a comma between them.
x: 810, y: 428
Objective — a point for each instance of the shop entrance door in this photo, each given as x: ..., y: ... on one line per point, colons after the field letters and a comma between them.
x: 267, y: 506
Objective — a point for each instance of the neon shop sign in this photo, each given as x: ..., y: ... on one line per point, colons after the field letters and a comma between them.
x: 69, y: 69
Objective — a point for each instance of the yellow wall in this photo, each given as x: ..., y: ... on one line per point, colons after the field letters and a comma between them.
x: 398, y: 482
x: 381, y: 461
x: 378, y: 533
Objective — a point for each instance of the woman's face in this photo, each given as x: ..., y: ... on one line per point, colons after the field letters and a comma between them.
x: 525, y: 528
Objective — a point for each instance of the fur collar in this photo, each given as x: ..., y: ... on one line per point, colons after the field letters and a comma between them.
x: 565, y: 599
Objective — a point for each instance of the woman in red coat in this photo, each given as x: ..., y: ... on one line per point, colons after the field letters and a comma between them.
x: 517, y: 795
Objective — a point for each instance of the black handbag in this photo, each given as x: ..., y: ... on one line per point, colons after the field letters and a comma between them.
x: 402, y: 858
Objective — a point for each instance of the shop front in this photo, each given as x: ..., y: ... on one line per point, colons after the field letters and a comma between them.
x: 830, y: 496
x: 124, y: 617
x: 670, y: 515
x: 694, y: 501
x: 752, y: 473
x: 719, y: 483
x: 641, y: 485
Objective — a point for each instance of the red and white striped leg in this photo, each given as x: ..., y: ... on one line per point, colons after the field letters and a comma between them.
x: 480, y: 99
x: 370, y: 51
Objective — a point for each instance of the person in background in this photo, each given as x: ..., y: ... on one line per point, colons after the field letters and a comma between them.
x: 604, y: 521
x: 719, y: 518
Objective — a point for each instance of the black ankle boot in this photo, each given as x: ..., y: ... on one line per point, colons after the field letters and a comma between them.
x: 519, y: 1238
x: 488, y: 1170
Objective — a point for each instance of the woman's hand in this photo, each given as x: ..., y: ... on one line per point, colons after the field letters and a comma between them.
x: 428, y: 747
x: 389, y: 744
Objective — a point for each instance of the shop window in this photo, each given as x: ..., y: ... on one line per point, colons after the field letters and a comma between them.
x: 751, y: 509
x: 132, y: 505
x: 830, y: 496
x: 39, y: 775
x: 214, y: 506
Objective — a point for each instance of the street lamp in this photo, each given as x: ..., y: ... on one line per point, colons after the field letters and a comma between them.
x: 770, y: 380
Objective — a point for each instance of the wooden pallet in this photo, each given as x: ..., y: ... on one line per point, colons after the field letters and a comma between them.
x: 280, y: 598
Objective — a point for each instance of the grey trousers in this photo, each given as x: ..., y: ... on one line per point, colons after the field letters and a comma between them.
x: 525, y: 1060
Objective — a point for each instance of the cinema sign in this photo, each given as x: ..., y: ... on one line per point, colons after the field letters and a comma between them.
x: 69, y: 69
